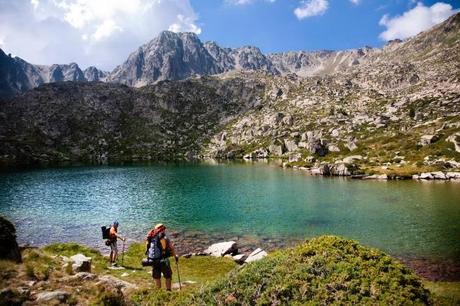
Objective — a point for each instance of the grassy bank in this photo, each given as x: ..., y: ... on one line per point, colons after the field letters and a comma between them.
x: 325, y: 270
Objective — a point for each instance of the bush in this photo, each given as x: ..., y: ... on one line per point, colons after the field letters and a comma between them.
x: 325, y: 271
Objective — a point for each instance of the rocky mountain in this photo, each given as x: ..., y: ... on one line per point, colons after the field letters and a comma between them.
x: 176, y: 56
x: 18, y: 76
x: 396, y: 111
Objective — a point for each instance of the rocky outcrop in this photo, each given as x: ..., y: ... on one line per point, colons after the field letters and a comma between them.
x: 9, y: 249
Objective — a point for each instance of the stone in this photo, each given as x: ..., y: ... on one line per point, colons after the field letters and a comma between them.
x: 376, y: 177
x: 222, y: 248
x: 239, y: 258
x: 257, y: 254
x: 351, y: 145
x: 58, y: 295
x: 341, y: 169
x: 294, y: 157
x: 116, y: 283
x: 426, y: 176
x: 290, y: 145
x: 333, y: 148
x: 9, y: 249
x: 438, y: 175
x: 428, y: 139
x: 455, y: 139
x: 453, y: 175
x: 81, y: 263
x: 352, y: 158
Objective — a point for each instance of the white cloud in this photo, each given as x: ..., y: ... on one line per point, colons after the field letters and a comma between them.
x: 311, y: 8
x: 414, y: 21
x: 355, y: 2
x: 244, y: 2
x: 184, y: 24
x: 86, y: 31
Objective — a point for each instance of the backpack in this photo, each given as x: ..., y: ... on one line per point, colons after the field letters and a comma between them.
x: 155, y: 250
x: 105, y: 232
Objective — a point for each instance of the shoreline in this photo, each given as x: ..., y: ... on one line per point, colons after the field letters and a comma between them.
x: 431, y: 269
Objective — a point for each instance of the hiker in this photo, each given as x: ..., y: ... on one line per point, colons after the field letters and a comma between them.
x: 113, y: 236
x: 159, y: 249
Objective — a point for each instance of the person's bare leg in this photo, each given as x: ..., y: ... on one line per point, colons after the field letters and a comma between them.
x: 158, y: 283
x: 111, y: 256
x: 168, y: 284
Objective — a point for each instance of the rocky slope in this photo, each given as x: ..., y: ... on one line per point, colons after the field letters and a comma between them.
x: 396, y: 111
x: 18, y: 76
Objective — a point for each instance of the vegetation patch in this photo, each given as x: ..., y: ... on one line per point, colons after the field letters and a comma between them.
x: 326, y: 270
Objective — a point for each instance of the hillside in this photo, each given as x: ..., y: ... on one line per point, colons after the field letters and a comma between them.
x: 396, y: 112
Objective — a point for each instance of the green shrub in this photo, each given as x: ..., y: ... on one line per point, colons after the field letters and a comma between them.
x: 326, y: 270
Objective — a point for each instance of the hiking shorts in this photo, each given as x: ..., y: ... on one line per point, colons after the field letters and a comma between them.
x: 113, y: 246
x: 161, y: 266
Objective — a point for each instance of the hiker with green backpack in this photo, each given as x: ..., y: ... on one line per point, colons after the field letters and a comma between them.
x: 159, y: 249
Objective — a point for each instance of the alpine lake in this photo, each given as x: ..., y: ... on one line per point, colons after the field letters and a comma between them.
x: 259, y: 202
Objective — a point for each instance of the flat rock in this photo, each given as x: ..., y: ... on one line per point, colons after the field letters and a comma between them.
x: 221, y: 248
x: 453, y: 175
x: 239, y: 258
x: 352, y: 158
x: 116, y: 283
x: 58, y: 295
x: 257, y: 254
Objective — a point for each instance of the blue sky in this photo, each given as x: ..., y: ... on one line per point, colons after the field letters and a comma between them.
x: 103, y: 33
x: 273, y: 27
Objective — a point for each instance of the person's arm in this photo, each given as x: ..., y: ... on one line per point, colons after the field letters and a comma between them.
x: 121, y: 238
x: 172, y: 251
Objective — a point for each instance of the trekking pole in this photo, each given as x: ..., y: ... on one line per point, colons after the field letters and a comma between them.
x: 178, y: 275
x: 123, y: 253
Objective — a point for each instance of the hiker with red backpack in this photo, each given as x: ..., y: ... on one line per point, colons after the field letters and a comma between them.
x: 159, y: 249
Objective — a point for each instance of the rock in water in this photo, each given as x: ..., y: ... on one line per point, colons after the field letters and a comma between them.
x: 8, y: 246
x: 221, y: 248
x: 81, y: 263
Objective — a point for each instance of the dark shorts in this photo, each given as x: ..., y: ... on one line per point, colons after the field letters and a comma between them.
x: 113, y: 246
x: 161, y: 266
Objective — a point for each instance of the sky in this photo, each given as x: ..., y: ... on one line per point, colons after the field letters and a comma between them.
x: 103, y: 33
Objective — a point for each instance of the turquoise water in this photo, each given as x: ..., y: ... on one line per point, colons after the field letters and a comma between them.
x: 70, y: 204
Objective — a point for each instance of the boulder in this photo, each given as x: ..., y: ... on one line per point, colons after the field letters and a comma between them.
x: 453, y: 175
x: 341, y: 169
x: 317, y: 146
x: 58, y: 295
x: 455, y: 139
x: 438, y: 175
x: 81, y: 263
x: 9, y: 249
x: 257, y: 254
x: 428, y: 139
x: 294, y: 157
x: 290, y: 145
x: 426, y: 176
x: 221, y: 248
x: 352, y: 158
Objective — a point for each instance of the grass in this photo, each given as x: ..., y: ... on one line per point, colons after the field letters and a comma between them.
x: 444, y: 293
x: 325, y: 270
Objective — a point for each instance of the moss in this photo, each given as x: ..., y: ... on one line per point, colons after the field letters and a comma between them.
x: 70, y: 249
